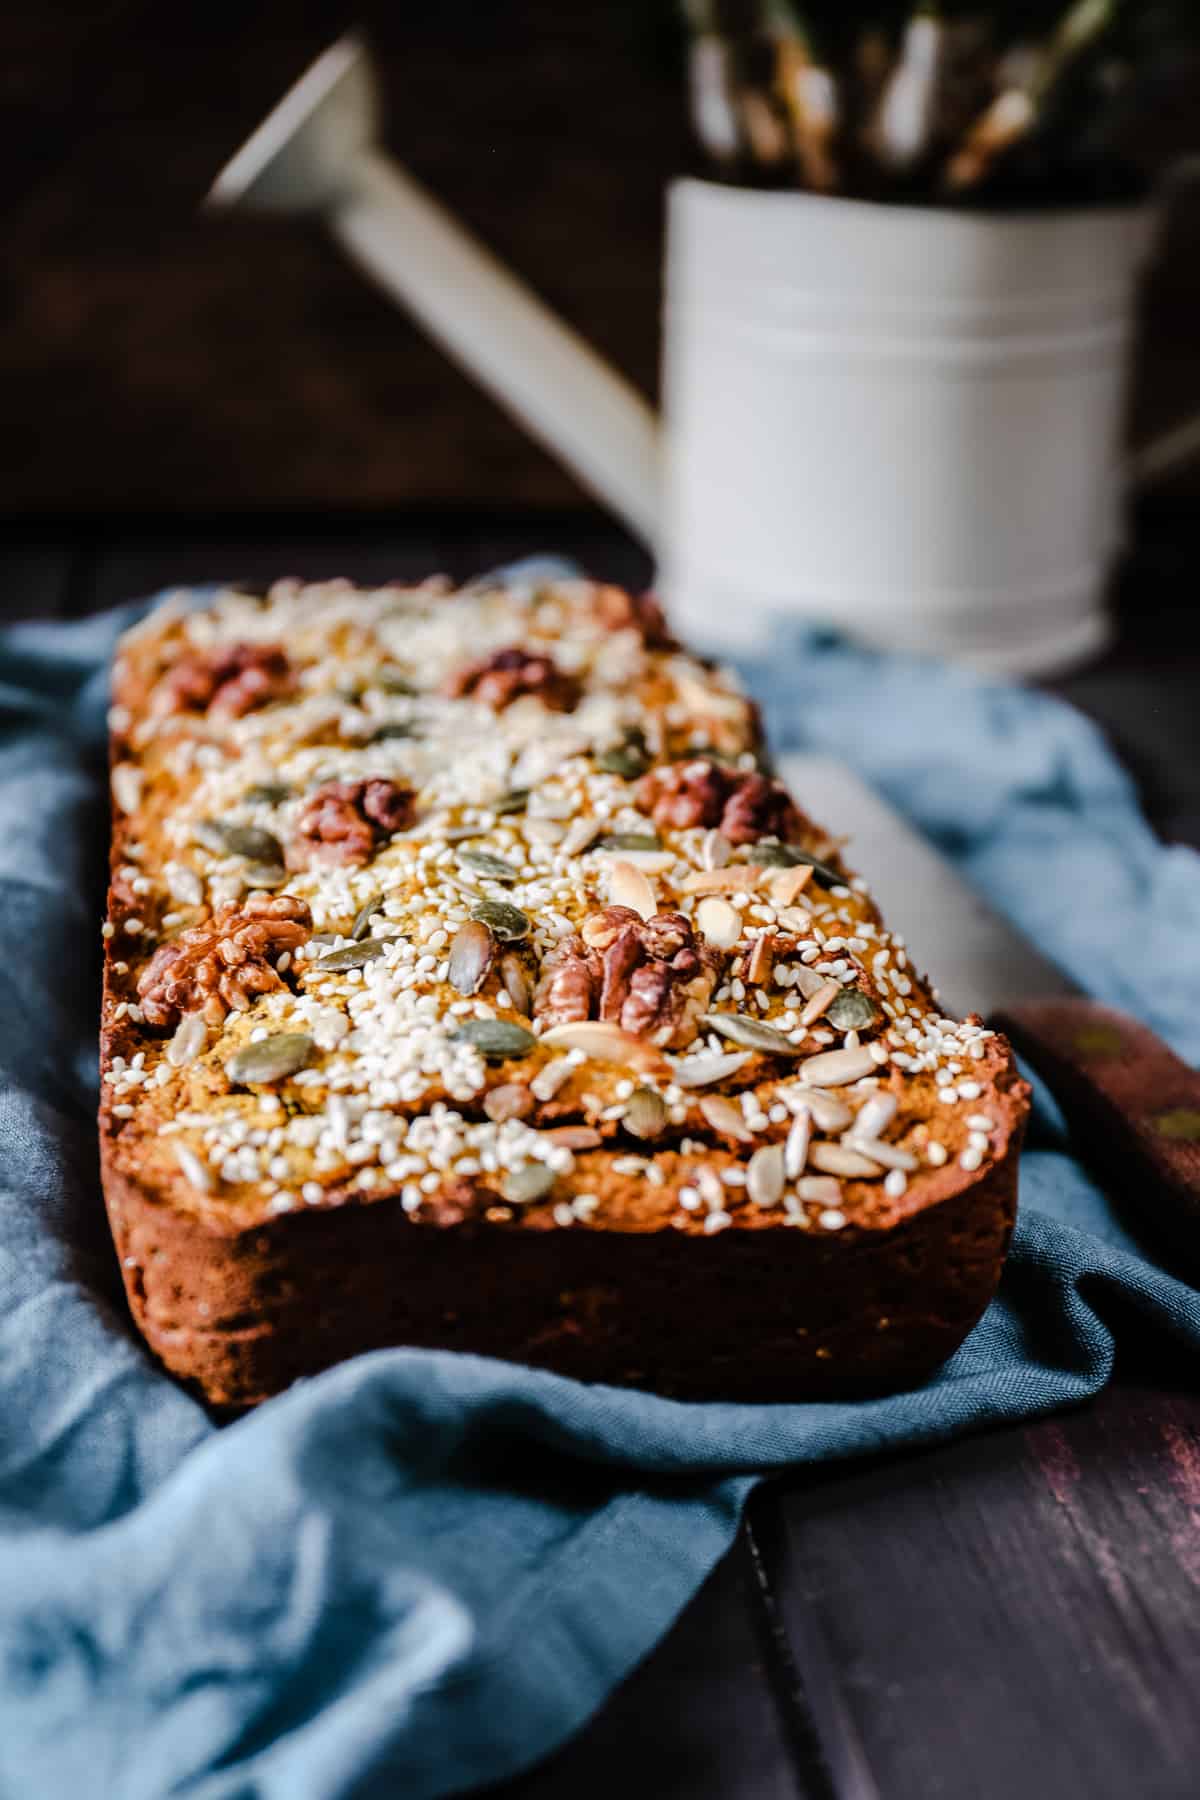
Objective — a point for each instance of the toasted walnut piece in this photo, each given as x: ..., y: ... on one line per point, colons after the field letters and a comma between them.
x: 499, y: 679
x: 618, y: 611
x: 344, y: 821
x: 226, y: 682
x: 653, y: 978
x: 743, y: 805
x: 218, y: 967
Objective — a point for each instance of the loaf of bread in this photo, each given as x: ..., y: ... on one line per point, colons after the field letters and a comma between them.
x: 471, y: 982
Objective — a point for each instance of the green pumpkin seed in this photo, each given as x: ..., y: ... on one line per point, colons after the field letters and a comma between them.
x: 264, y: 875
x: 471, y: 952
x: 271, y: 1058
x: 238, y: 840
x: 515, y: 801
x: 267, y: 793
x: 852, y: 1011
x: 645, y: 1113
x: 751, y: 1034
x: 629, y: 840
x: 496, y: 1037
x: 393, y: 680
x: 395, y: 728
x: 787, y: 856
x: 362, y: 918
x: 353, y: 956
x: 520, y: 1186
x: 508, y: 923
x: 494, y: 867
x: 623, y: 760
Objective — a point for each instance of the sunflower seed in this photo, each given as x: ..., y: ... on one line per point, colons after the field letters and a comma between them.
x: 184, y: 885
x: 353, y: 956
x: 890, y: 1155
x: 751, y: 1034
x: 580, y: 835
x: 715, y: 850
x: 574, y: 1137
x: 725, y: 1117
x: 618, y: 841
x: 852, y: 1011
x: 508, y: 923
x: 719, y: 922
x: 271, y: 1058
x: 362, y: 918
x: 517, y: 984
x: 471, y: 950
x: 837, y: 1068
x: 127, y: 780
x: 795, y: 1151
x: 837, y: 1159
x: 496, y: 1037
x: 481, y: 863
x: 191, y: 1035
x: 822, y: 1189
x: 875, y: 1116
x: 645, y: 1113
x: 267, y: 793
x: 829, y: 1113
x: 520, y: 1186
x: 764, y: 1175
x: 702, y: 1071
x: 196, y: 1173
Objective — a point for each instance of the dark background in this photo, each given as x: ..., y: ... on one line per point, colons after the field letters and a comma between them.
x: 156, y: 360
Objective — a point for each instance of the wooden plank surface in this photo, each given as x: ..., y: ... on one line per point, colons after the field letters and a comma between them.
x: 1013, y: 1614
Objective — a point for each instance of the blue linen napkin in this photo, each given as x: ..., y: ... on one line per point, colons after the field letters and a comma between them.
x: 420, y: 1571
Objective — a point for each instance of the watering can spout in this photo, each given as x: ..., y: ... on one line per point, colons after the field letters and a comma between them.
x: 319, y: 152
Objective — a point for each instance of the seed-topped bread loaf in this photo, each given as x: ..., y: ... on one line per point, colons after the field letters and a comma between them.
x: 472, y: 982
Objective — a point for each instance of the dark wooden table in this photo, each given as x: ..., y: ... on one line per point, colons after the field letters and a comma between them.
x: 1014, y: 1614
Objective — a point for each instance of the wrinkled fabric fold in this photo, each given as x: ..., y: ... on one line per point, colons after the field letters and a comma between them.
x: 420, y: 1572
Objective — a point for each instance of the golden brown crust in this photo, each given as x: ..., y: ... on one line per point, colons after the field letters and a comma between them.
x: 303, y: 1162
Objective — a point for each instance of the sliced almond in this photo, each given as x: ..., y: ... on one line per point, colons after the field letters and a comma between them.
x: 719, y: 922
x: 742, y: 878
x: 726, y: 1118
x: 793, y: 919
x: 785, y: 884
x: 607, y: 1043
x: 837, y: 1068
x: 837, y: 1159
x: 580, y: 833
x: 627, y: 886
x: 795, y: 1151
x: 762, y: 959
x: 820, y: 1002
x: 702, y: 1071
x: 651, y: 862
x: 509, y: 1101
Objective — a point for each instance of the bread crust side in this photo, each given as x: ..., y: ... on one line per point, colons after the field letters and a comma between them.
x: 772, y: 1315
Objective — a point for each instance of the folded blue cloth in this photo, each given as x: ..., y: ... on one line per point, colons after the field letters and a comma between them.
x: 422, y: 1571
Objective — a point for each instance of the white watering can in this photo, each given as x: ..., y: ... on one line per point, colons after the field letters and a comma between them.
x: 905, y: 421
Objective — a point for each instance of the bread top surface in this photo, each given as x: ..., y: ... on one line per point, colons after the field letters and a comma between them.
x: 482, y: 898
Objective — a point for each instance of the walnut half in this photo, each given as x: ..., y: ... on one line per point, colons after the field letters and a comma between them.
x: 218, y: 967
x: 652, y: 977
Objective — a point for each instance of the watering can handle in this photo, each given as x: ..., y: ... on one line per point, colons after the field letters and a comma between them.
x: 319, y: 151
